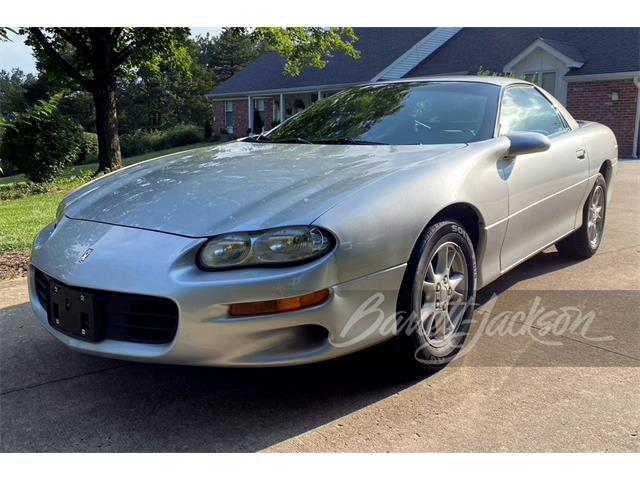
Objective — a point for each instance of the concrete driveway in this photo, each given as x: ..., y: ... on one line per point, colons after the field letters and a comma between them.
x: 542, y: 387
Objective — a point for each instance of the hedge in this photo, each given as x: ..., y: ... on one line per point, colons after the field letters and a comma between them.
x: 141, y: 141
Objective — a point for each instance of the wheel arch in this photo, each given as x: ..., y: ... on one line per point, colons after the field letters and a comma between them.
x: 470, y: 218
x: 606, y: 169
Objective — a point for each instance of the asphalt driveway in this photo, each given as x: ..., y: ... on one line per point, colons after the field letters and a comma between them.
x: 565, y: 386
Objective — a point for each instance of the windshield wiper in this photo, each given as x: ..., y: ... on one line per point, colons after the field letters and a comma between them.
x: 261, y: 139
x: 347, y: 141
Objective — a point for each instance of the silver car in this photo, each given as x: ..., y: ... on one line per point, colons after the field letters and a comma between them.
x: 374, y: 214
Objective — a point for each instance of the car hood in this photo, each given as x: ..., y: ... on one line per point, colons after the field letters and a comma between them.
x: 240, y: 186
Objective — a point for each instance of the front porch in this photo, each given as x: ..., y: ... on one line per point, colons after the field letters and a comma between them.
x: 241, y: 116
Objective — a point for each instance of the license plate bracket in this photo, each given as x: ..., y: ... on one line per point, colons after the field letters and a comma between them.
x: 73, y: 312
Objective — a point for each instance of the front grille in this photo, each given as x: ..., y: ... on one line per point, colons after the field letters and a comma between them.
x: 42, y: 288
x: 141, y: 319
x: 126, y: 317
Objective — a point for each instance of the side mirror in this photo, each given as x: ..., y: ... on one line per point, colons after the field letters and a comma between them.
x: 527, y: 142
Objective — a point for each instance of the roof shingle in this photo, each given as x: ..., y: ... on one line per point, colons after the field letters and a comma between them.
x: 603, y: 50
x: 379, y: 47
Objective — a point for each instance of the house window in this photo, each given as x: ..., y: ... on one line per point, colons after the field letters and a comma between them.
x: 546, y: 80
x: 228, y: 116
x: 258, y: 105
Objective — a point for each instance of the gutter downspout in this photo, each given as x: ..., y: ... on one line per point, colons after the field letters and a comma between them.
x: 636, y: 81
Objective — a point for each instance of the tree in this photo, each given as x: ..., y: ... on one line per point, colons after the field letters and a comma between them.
x: 228, y: 53
x: 42, y: 141
x: 160, y: 100
x: 97, y: 58
x: 13, y: 92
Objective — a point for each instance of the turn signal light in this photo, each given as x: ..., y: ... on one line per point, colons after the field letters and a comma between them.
x: 269, y: 307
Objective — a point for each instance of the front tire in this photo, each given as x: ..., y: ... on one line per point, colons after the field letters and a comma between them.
x: 584, y: 242
x: 437, y: 297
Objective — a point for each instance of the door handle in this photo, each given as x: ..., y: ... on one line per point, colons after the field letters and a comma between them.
x: 581, y: 154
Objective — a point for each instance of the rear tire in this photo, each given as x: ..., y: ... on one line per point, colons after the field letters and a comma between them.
x: 584, y: 242
x: 437, y: 297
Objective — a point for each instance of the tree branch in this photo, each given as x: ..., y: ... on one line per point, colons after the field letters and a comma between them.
x: 74, y: 40
x: 59, y: 59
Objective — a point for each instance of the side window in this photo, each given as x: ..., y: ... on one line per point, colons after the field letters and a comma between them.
x: 524, y: 109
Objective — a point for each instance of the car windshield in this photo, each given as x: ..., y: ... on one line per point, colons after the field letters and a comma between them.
x: 397, y: 114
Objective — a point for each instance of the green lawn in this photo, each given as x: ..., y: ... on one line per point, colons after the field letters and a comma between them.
x: 23, y: 218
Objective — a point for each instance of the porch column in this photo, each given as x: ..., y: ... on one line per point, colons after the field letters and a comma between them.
x: 282, y: 109
x: 249, y: 114
x: 319, y: 95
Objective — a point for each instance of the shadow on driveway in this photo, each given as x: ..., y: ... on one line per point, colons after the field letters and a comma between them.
x: 53, y: 399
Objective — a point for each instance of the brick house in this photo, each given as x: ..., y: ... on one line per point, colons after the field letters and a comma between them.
x: 595, y: 72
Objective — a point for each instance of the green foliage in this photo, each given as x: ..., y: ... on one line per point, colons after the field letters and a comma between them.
x: 228, y: 53
x: 142, y: 141
x: 308, y: 46
x: 88, y: 150
x: 73, y: 51
x: 11, y: 191
x: 41, y: 142
x: 483, y: 72
x: 157, y: 101
x: 13, y: 92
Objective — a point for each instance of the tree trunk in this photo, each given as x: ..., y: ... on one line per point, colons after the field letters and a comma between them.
x: 109, y: 157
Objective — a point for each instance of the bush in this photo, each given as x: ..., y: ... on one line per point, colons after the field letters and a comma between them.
x: 41, y: 143
x: 141, y: 141
x: 11, y: 191
x: 88, y: 151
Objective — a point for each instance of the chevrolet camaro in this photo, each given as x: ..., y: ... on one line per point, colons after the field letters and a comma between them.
x: 373, y: 215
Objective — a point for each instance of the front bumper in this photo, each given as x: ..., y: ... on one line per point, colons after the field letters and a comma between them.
x: 358, y: 314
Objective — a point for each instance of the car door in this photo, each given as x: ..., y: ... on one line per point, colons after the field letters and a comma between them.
x: 544, y: 188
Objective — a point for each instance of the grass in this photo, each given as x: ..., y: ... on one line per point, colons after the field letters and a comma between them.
x: 21, y: 219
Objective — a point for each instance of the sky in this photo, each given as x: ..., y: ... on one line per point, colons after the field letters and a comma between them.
x: 16, y: 54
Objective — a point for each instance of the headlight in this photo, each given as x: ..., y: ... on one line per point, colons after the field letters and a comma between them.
x: 275, y: 247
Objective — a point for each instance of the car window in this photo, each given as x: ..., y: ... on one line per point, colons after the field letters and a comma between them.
x: 525, y: 109
x: 399, y: 114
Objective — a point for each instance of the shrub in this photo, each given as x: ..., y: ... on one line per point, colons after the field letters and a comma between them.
x: 11, y: 191
x: 140, y: 141
x: 41, y: 142
x: 88, y: 150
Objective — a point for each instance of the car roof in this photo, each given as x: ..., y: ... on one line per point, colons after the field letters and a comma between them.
x: 499, y: 81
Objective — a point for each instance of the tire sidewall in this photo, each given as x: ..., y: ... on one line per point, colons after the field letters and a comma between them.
x: 600, y: 181
x: 414, y: 337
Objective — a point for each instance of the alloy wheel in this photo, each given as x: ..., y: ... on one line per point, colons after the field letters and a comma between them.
x: 444, y: 294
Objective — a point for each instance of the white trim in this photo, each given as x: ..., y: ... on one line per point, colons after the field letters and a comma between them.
x: 277, y: 91
x: 601, y: 77
x: 283, y: 110
x: 542, y: 45
x: 417, y: 53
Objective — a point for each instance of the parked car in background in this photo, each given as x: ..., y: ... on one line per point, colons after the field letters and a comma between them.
x: 373, y: 214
